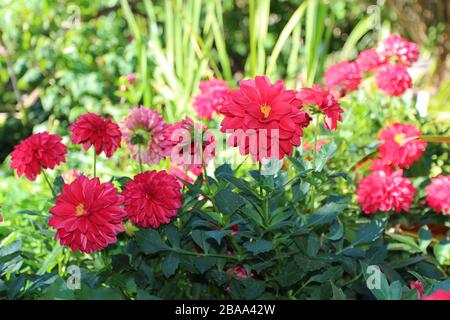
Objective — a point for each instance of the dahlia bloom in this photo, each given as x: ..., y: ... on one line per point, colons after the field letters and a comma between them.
x: 369, y: 60
x: 87, y: 215
x: 438, y: 194
x: 143, y: 131
x: 40, y: 150
x: 399, y: 145
x: 188, y: 143
x: 379, y: 164
x: 266, y: 120
x: 344, y: 76
x: 212, y: 95
x: 438, y: 295
x: 382, y: 191
x: 325, y: 101
x: 92, y: 130
x: 399, y: 49
x: 393, y: 79
x: 152, y: 198
x: 238, y: 271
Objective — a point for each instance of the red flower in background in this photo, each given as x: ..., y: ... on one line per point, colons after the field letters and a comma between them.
x: 306, y: 146
x: 393, y: 79
x: 188, y: 143
x: 87, y: 215
x: 265, y: 118
x: 212, y: 95
x: 382, y: 191
x: 1, y: 218
x: 399, y: 49
x: 186, y: 175
x: 92, y: 130
x: 40, y: 150
x: 342, y: 77
x: 369, y: 60
x: 152, y: 198
x: 438, y: 194
x: 325, y: 101
x: 438, y: 295
x: 399, y: 145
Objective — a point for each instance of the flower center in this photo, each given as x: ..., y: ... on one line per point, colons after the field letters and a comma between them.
x: 400, y: 138
x: 79, y: 210
x: 140, y: 137
x: 265, y: 110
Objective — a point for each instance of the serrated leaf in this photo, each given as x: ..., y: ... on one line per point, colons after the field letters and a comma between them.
x: 218, y: 235
x: 200, y: 237
x: 228, y: 202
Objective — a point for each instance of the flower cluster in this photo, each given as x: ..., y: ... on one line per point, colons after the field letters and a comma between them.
x: 385, y: 189
x: 89, y: 214
x: 389, y: 61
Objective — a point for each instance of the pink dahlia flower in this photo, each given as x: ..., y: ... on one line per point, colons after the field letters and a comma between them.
x: 369, y: 60
x: 379, y: 164
x: 212, y: 95
x: 382, y: 191
x: 400, y: 146
x: 393, y: 79
x: 143, y: 131
x: 343, y: 77
x: 438, y: 194
x: 399, y: 49
x: 438, y: 295
x: 188, y: 143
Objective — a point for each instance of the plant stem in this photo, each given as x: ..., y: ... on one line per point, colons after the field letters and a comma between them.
x: 48, y: 182
x: 95, y: 163
x: 140, y: 159
x: 195, y: 254
x: 316, y: 133
x: 265, y: 198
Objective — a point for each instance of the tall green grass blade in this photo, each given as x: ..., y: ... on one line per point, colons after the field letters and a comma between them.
x: 361, y: 28
x: 293, y: 22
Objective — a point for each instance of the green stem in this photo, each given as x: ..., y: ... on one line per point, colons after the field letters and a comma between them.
x: 211, y: 255
x: 95, y: 163
x: 48, y: 182
x: 265, y: 198
x: 316, y: 133
x: 140, y: 159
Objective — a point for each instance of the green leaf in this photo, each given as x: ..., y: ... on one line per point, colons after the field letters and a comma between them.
x: 313, y: 245
x: 170, y: 265
x: 150, y: 241
x: 326, y: 152
x: 173, y: 235
x: 10, y: 249
x: 30, y: 213
x: 338, y: 294
x: 371, y: 231
x: 228, y: 202
x: 442, y: 253
x: 258, y: 246
x: 425, y: 238
x: 218, y: 235
x: 326, y: 214
x: 200, y: 237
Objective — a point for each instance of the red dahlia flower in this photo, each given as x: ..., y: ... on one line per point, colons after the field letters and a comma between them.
x: 379, y: 164
x: 342, y: 77
x: 325, y: 101
x: 400, y: 146
x: 211, y: 97
x: 188, y: 143
x: 399, y: 49
x: 369, y: 60
x: 92, y: 130
x: 265, y: 118
x: 1, y: 218
x: 438, y: 194
x: 87, y: 215
x: 418, y: 286
x: 40, y: 150
x: 393, y: 80
x: 152, y: 198
x: 383, y: 191
x: 438, y: 295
